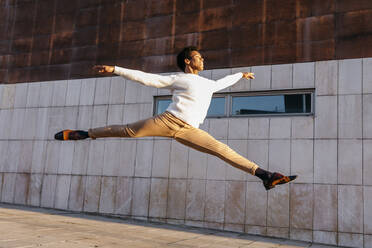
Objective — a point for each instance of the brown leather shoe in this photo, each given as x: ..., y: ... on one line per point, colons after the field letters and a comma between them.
x: 71, y: 135
x: 276, y: 179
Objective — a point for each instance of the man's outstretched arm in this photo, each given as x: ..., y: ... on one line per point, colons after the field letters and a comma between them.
x: 232, y: 79
x: 148, y: 79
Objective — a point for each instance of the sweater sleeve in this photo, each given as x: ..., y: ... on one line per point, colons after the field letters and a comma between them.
x: 148, y: 79
x: 227, y: 81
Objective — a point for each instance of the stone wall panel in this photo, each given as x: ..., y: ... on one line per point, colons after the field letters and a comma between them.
x: 159, y: 179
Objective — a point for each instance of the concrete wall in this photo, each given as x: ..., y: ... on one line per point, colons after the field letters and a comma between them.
x: 159, y: 179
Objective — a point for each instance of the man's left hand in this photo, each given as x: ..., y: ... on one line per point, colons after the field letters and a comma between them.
x: 248, y: 75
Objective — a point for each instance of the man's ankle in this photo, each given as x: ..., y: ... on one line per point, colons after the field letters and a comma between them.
x: 262, y: 174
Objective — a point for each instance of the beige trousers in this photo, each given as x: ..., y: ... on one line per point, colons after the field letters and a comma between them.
x: 167, y: 125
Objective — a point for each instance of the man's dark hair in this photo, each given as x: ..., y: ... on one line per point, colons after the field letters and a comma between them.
x: 184, y: 54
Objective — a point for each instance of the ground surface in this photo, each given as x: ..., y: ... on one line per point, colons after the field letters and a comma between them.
x: 34, y: 227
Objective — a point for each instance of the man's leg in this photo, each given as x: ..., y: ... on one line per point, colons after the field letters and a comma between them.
x: 142, y: 128
x: 156, y: 126
x: 204, y: 142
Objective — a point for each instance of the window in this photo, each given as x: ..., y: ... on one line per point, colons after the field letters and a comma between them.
x: 216, y: 109
x: 161, y: 104
x: 272, y: 103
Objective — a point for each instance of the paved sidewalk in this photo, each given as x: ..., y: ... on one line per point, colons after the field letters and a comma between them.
x: 35, y: 227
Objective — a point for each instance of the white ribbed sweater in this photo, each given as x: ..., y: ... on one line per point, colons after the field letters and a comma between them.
x: 191, y: 93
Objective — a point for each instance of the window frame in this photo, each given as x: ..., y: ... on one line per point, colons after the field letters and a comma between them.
x: 272, y: 93
x: 229, y: 101
x: 221, y: 95
x: 156, y: 98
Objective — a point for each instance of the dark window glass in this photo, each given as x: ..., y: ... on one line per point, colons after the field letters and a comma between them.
x: 274, y: 104
x: 217, y: 107
x: 286, y: 103
x: 162, y: 105
x: 308, y: 103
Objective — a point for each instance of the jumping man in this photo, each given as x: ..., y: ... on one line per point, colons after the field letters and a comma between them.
x: 191, y: 97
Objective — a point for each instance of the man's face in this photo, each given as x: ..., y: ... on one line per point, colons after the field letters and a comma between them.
x: 197, y: 61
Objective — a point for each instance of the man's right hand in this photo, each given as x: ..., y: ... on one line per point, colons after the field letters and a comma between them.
x: 248, y: 75
x: 104, y: 69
